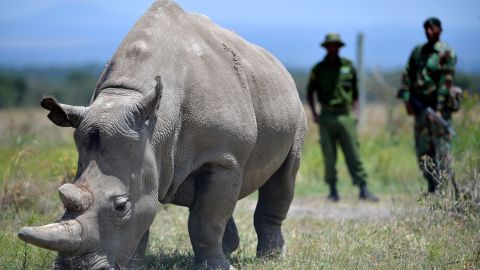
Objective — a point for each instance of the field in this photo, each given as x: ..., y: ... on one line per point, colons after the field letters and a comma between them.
x: 405, y: 230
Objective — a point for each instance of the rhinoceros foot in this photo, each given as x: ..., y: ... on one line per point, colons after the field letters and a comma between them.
x: 271, y: 247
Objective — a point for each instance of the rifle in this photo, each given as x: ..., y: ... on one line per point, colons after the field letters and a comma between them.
x: 419, y: 106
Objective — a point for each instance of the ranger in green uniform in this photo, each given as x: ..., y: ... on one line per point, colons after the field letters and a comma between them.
x: 334, y: 81
x: 427, y: 83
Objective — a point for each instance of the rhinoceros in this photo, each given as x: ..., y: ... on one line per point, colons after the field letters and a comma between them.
x: 187, y: 113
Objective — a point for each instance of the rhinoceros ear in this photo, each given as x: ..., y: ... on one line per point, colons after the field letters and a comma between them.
x: 61, y: 114
x: 149, y: 102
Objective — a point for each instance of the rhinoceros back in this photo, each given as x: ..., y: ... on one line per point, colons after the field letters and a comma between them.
x: 233, y: 102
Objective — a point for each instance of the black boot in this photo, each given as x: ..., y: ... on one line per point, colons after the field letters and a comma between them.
x: 432, y: 183
x: 333, y: 196
x: 366, y: 195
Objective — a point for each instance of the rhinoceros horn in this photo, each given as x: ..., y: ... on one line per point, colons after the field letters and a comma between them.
x: 75, y: 198
x: 65, y: 236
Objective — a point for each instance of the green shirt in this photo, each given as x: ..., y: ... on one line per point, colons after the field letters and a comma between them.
x: 427, y: 71
x: 335, y: 85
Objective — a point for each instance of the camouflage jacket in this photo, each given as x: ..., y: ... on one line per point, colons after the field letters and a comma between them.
x: 335, y: 86
x: 429, y: 71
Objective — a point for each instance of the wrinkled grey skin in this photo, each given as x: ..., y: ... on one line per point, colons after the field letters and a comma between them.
x: 223, y: 121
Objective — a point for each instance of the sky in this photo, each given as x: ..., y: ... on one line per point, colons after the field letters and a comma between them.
x: 66, y: 32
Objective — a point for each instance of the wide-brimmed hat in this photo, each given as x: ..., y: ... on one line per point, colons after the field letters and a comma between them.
x: 332, y: 38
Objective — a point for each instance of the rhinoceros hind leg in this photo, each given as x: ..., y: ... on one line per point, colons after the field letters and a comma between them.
x: 211, y: 209
x: 274, y: 200
x: 230, y: 240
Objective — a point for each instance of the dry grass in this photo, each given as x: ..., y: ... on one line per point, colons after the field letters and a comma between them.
x: 406, y: 230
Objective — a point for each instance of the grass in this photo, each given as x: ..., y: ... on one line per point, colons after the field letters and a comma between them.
x: 420, y: 232
x: 426, y: 240
x: 388, y: 156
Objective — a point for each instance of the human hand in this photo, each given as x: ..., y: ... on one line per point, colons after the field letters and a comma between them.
x: 356, y: 110
x: 431, y: 117
x: 454, y: 90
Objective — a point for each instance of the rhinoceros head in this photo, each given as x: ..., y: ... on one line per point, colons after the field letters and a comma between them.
x: 112, y: 200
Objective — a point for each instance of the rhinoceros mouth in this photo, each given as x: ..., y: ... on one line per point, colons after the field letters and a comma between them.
x: 86, y: 261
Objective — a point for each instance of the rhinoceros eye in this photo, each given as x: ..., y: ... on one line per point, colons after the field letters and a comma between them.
x: 122, y: 210
x: 121, y: 207
x: 121, y: 204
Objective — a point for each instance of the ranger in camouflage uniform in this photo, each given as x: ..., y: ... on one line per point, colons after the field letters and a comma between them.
x: 427, y: 82
x: 334, y: 81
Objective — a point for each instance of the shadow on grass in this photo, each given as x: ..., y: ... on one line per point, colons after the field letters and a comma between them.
x: 177, y: 259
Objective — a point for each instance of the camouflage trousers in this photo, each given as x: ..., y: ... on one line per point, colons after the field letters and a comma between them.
x: 433, y: 152
x: 339, y: 128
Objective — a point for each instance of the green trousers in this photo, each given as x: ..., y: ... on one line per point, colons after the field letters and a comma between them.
x: 340, y: 128
x: 430, y: 142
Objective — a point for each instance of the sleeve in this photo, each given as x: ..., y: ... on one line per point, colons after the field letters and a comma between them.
x: 312, y: 88
x: 354, y: 84
x: 408, y: 77
x: 448, y: 60
x: 454, y: 100
x: 312, y: 85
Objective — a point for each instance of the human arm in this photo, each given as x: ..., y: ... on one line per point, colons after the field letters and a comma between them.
x: 311, y: 89
x: 408, y: 76
x: 355, y: 103
x: 447, y: 61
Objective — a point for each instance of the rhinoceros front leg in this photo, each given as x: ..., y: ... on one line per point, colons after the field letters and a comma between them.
x: 230, y: 240
x: 274, y: 199
x: 138, y: 260
x: 216, y: 193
